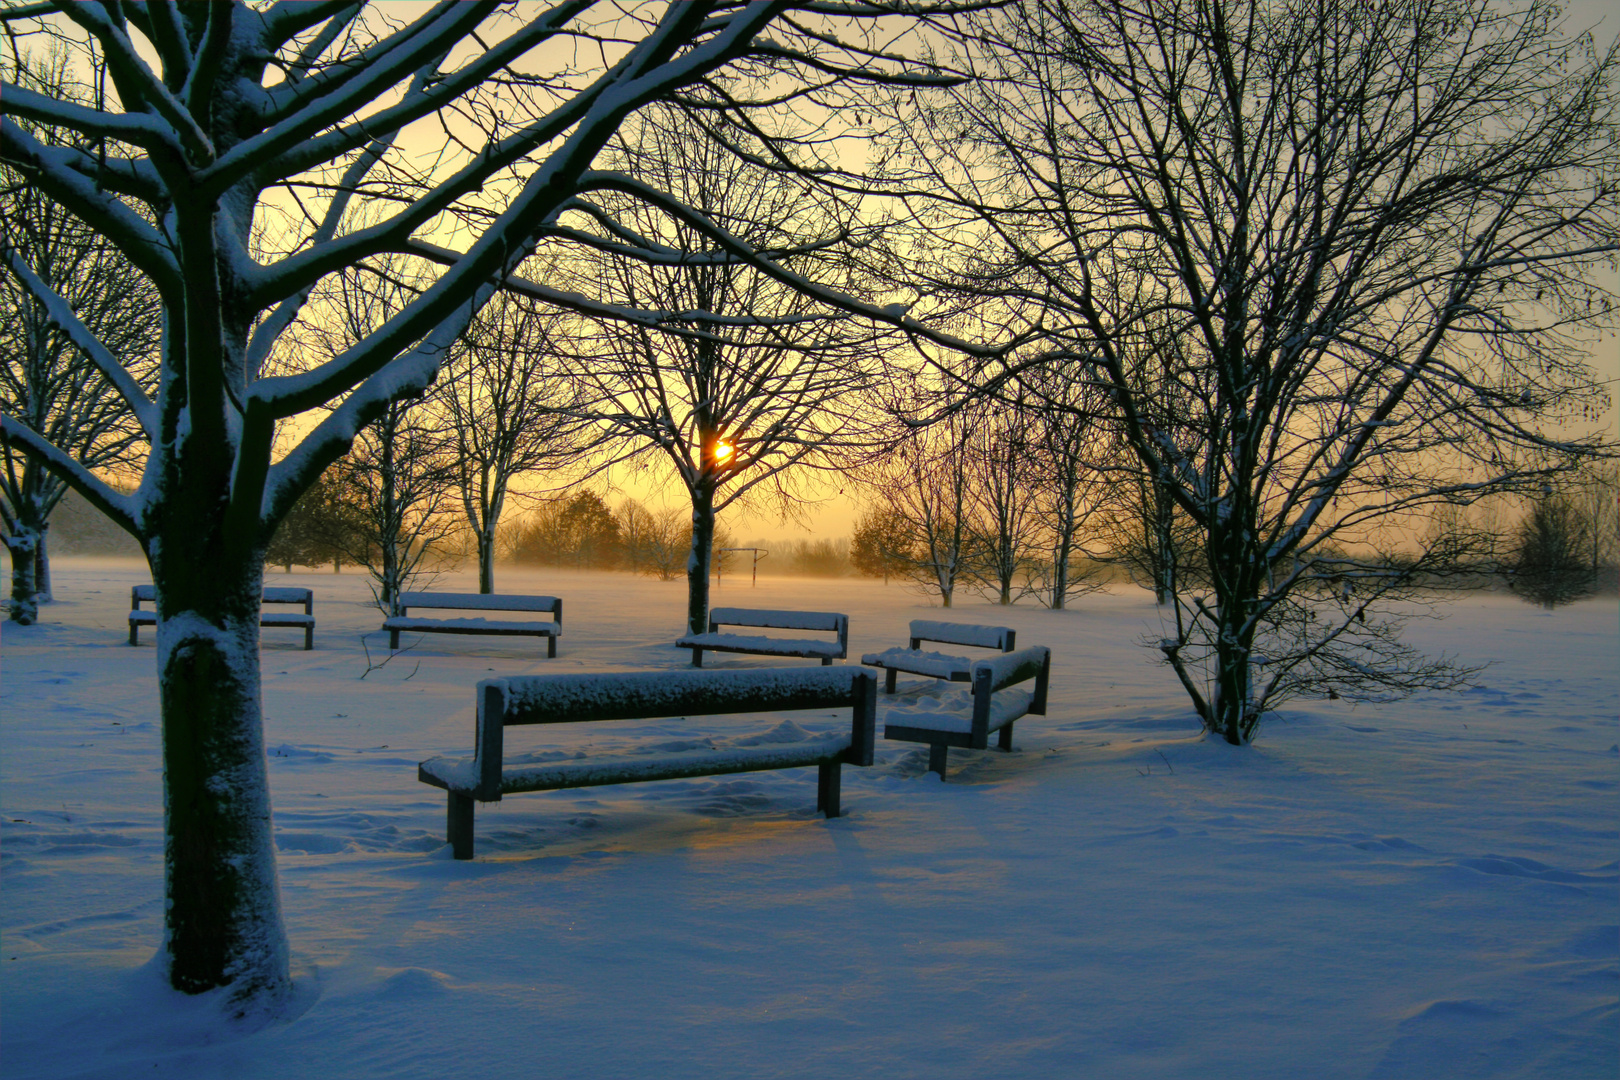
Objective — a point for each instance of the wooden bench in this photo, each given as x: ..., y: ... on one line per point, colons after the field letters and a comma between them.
x: 811, y: 648
x: 405, y: 622
x: 940, y: 665
x: 563, y: 699
x: 286, y: 594
x: 995, y: 707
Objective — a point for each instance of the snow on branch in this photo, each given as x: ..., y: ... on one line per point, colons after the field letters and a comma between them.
x: 124, y: 510
x: 51, y: 170
x: 135, y: 129
x: 138, y: 86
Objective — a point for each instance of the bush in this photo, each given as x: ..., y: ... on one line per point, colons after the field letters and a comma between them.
x: 1551, y: 560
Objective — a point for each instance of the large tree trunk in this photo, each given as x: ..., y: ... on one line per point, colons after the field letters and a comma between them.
x: 223, y: 920
x: 699, y: 561
x: 23, y: 546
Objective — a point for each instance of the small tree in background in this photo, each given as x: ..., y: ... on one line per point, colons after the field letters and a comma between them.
x: 576, y: 530
x: 397, y: 487
x: 313, y: 532
x: 509, y: 411
x: 1551, y: 560
x: 877, y: 548
x: 1004, y: 473
x: 925, y: 483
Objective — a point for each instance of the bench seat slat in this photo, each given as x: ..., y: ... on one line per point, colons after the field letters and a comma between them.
x: 285, y: 618
x: 717, y: 642
x: 460, y: 774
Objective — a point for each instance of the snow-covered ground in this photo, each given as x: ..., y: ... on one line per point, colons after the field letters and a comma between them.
x: 1422, y: 890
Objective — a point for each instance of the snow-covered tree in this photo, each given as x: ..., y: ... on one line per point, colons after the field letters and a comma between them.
x: 235, y: 146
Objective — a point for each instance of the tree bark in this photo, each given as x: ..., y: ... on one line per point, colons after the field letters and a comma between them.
x: 486, y: 560
x: 223, y: 921
x: 24, y: 604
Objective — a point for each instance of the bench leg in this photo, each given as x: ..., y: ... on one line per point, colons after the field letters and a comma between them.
x: 937, y: 753
x: 393, y: 641
x: 551, y: 646
x: 134, y: 629
x: 888, y: 680
x: 1004, y: 741
x: 826, y: 661
x: 697, y: 657
x: 309, y: 639
x: 828, y: 784
x: 458, y: 826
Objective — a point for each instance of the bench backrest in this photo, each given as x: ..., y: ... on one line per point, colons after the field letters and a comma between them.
x: 480, y: 602
x: 989, y: 676
x: 288, y: 594
x: 985, y: 637
x: 780, y: 620
x: 634, y: 695
x: 280, y: 594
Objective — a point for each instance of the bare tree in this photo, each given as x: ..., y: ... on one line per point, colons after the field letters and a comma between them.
x: 46, y: 380
x: 235, y: 143
x: 924, y: 482
x: 397, y: 488
x: 1003, y: 471
x: 510, y: 411
x: 1371, y: 229
x: 1072, y: 451
x: 746, y: 382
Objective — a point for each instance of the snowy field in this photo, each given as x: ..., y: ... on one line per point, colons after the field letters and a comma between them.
x: 1424, y: 890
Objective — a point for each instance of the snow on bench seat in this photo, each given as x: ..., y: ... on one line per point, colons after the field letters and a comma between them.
x: 763, y: 645
x: 990, y: 707
x: 282, y: 594
x: 557, y: 699
x: 404, y: 622
x: 955, y: 712
x: 939, y: 665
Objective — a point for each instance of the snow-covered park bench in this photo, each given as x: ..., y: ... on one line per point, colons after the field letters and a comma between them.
x: 813, y: 648
x: 567, y: 699
x: 915, y: 661
x: 147, y: 594
x: 405, y: 622
x: 996, y: 703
